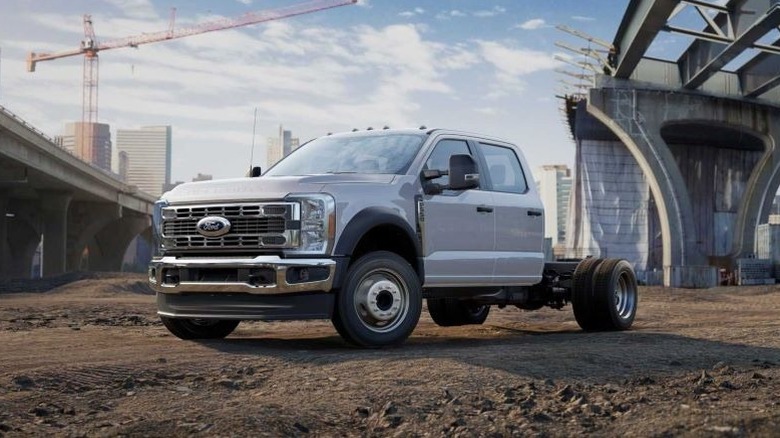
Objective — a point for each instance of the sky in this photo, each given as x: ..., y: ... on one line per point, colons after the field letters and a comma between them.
x: 485, y: 66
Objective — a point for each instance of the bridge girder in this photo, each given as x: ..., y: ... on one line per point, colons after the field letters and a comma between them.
x: 728, y: 30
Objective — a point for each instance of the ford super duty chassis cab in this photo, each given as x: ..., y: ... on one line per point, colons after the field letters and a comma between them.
x: 360, y: 228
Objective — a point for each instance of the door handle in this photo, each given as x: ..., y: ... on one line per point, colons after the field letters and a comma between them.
x: 534, y: 212
x: 484, y: 209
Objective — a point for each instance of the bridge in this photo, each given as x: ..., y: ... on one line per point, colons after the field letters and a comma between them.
x: 84, y: 215
x: 685, y: 150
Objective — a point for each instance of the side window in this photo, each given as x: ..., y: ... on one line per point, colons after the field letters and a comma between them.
x: 440, y: 157
x: 504, y: 169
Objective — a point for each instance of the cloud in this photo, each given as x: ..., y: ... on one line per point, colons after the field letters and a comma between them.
x: 488, y: 111
x: 246, y: 2
x: 511, y: 64
x: 446, y: 15
x: 413, y: 12
x: 582, y: 18
x: 496, y: 10
x: 483, y: 13
x: 141, y: 9
x: 533, y: 24
x: 364, y: 3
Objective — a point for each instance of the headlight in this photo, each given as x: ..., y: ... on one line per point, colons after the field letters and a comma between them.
x: 157, y: 224
x: 318, y: 222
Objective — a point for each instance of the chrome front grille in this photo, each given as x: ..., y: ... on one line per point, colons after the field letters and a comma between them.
x: 242, y: 225
x: 252, y: 226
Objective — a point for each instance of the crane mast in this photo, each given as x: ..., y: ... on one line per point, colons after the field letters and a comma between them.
x: 90, y: 47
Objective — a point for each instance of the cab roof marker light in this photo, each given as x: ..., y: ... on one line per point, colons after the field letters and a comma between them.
x: 386, y: 127
x: 423, y: 127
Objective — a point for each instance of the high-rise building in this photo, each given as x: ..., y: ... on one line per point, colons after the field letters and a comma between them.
x: 148, y: 152
x: 280, y: 146
x: 554, y: 182
x: 89, y: 141
x: 273, y: 151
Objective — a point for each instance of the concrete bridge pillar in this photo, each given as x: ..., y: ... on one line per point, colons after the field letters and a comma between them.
x: 22, y: 244
x: 85, y: 220
x: 708, y: 208
x: 4, y: 248
x: 54, y: 212
x: 23, y: 237
x: 108, y: 247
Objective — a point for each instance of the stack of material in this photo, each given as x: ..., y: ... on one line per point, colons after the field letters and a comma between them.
x: 754, y: 271
x: 768, y: 245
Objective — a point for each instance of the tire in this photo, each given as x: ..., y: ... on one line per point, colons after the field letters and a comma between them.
x: 616, y: 295
x: 199, y: 328
x: 380, y: 302
x: 582, y: 294
x: 449, y: 312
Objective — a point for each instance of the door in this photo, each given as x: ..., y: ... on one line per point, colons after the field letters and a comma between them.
x: 519, y: 218
x: 457, y: 227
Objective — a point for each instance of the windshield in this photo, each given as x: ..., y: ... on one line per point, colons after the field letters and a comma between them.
x: 390, y: 154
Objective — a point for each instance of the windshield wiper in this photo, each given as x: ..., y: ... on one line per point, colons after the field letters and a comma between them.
x: 339, y: 172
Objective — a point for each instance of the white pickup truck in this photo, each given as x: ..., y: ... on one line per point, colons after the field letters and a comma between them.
x: 360, y: 228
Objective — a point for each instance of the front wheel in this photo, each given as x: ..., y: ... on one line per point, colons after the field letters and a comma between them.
x: 380, y: 301
x: 199, y: 328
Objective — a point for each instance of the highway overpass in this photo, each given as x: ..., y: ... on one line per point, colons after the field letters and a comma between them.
x: 85, y: 216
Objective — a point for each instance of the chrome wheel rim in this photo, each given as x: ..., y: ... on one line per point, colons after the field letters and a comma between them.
x: 625, y: 296
x: 381, y: 300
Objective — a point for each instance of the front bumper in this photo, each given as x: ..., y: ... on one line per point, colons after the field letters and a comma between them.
x: 261, y: 275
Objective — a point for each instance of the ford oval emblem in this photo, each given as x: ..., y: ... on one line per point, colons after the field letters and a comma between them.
x: 213, y: 226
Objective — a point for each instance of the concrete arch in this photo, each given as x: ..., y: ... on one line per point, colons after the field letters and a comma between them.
x: 638, y: 117
x: 658, y: 166
x: 718, y: 132
x: 85, y: 220
x: 108, y: 247
x: 729, y: 135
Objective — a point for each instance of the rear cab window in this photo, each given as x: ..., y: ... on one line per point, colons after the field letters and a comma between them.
x: 504, y: 169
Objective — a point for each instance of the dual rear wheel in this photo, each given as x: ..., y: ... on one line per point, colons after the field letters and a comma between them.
x: 604, y: 294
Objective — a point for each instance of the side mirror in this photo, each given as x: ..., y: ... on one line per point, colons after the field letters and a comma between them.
x: 463, y: 172
x: 255, y: 172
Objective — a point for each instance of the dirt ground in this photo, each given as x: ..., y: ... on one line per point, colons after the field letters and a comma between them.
x: 90, y: 358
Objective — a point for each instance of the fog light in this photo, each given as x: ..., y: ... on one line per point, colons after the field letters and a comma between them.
x: 171, y: 276
x: 306, y: 274
x: 153, y: 275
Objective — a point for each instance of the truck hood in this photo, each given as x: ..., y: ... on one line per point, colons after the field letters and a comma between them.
x: 264, y: 188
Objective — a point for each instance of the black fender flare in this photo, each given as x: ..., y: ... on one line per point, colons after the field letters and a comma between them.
x: 365, y: 221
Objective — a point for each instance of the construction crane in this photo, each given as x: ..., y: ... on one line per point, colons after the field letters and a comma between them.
x: 90, y: 46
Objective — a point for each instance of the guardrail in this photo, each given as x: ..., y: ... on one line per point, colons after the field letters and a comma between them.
x: 51, y: 140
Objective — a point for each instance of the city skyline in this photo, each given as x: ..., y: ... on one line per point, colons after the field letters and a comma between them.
x: 475, y: 66
x: 280, y: 146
